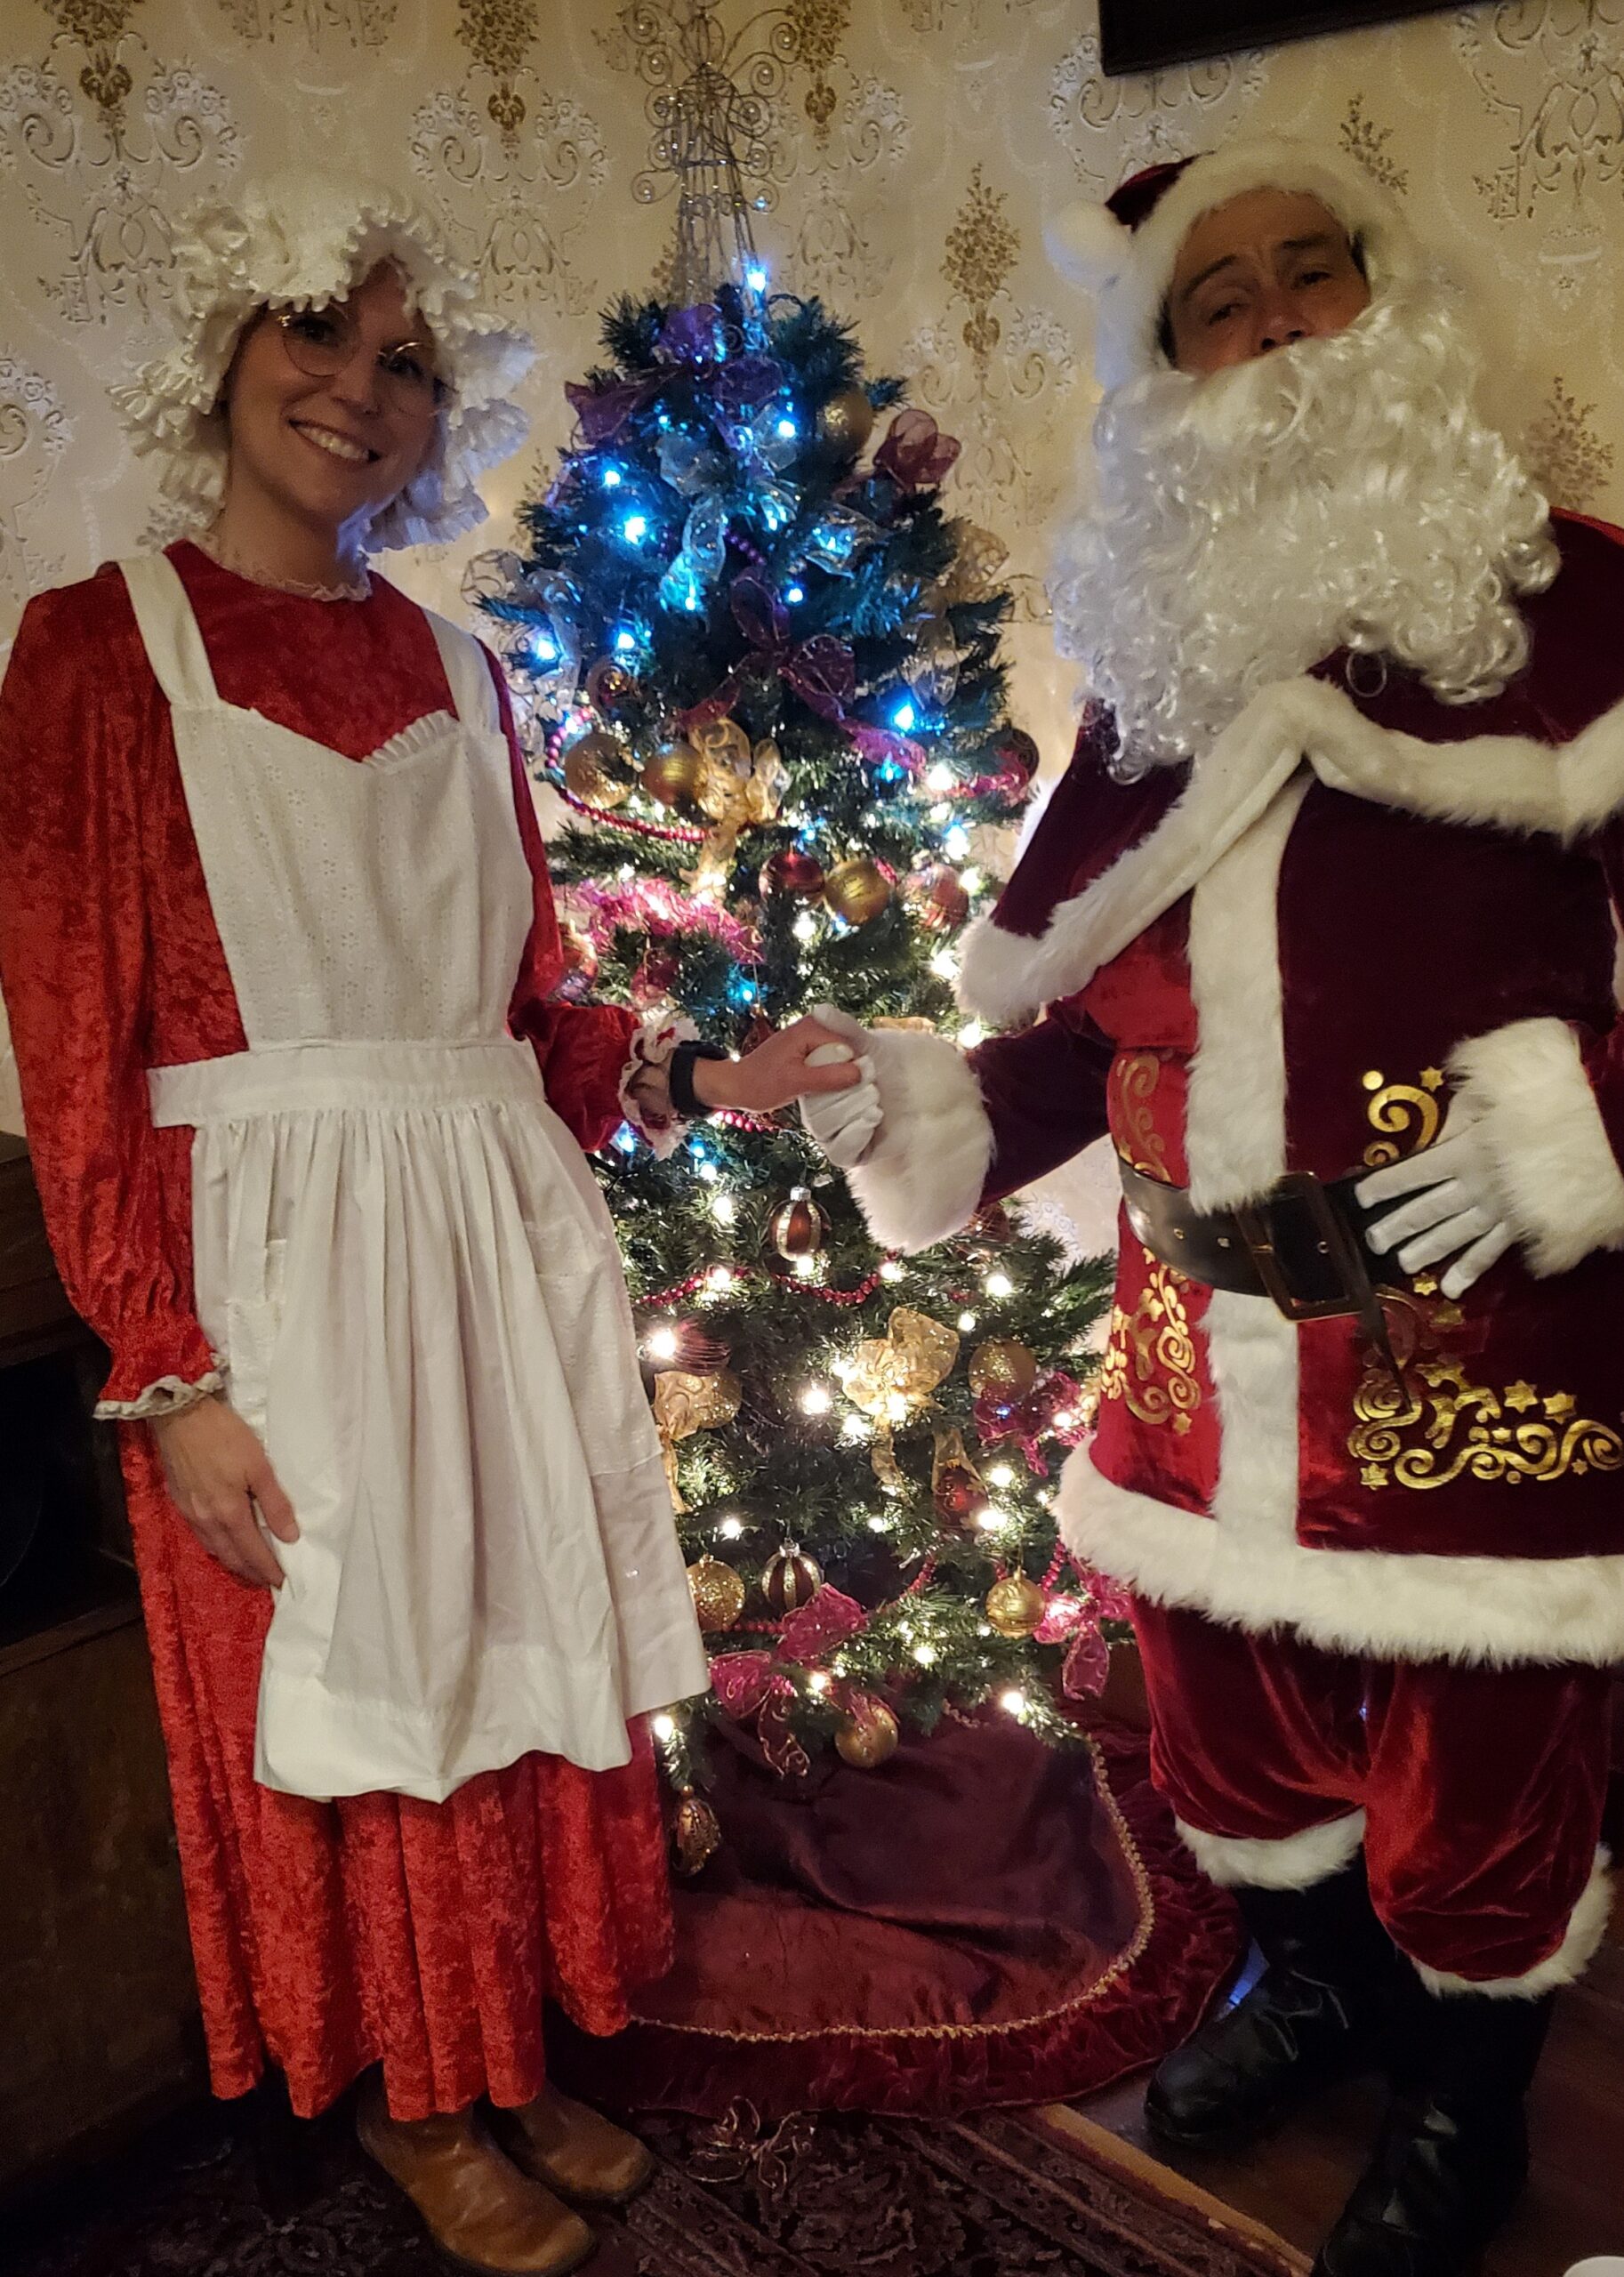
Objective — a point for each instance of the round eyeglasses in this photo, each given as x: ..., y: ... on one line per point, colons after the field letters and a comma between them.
x: 322, y: 342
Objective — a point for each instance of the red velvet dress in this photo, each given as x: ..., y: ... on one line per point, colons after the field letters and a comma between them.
x: 326, y: 1935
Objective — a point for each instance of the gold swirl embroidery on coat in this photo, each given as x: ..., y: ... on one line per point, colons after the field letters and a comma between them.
x: 1406, y: 1111
x: 1149, y: 1360
x: 1435, y: 1425
x: 1142, y: 1149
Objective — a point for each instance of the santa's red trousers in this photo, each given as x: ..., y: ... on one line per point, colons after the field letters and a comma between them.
x: 1482, y: 1788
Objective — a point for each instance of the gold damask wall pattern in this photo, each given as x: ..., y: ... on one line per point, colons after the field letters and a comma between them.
x: 902, y: 157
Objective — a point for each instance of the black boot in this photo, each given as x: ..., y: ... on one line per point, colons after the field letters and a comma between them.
x: 1453, y: 2154
x: 1314, y: 2014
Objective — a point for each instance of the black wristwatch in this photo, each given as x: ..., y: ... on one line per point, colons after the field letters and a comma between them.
x: 680, y: 1075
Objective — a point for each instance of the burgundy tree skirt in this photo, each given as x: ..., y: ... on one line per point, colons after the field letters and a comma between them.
x: 982, y: 1920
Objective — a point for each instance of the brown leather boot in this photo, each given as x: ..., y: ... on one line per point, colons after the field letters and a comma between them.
x: 481, y: 2212
x: 574, y: 2150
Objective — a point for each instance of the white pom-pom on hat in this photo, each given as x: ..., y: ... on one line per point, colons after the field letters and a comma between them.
x: 1088, y: 244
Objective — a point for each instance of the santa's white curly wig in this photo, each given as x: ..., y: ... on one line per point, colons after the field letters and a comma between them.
x: 300, y: 241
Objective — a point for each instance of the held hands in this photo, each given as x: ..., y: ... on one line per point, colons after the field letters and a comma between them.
x: 218, y: 1471
x: 1455, y: 1212
x: 843, y: 1123
x: 795, y: 1060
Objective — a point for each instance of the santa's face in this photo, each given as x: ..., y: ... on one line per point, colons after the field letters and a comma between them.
x: 1336, y: 489
x: 1269, y: 268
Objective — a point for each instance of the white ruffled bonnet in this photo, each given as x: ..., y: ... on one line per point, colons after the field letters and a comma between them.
x: 300, y: 241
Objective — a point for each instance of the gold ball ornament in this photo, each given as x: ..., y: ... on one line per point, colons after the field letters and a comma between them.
x: 718, y: 1593
x: 589, y: 769
x: 867, y: 1736
x: 1016, y: 1606
x: 671, y: 773
x: 791, y: 1578
x: 856, y: 890
x: 1002, y: 1370
x: 799, y: 1228
x: 696, y: 1835
x: 847, y: 420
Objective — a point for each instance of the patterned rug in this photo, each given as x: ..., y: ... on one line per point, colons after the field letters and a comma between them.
x: 1006, y: 2194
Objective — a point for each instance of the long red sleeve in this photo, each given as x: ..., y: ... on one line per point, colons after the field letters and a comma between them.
x: 583, y: 1050
x: 75, y: 966
x: 1044, y: 1092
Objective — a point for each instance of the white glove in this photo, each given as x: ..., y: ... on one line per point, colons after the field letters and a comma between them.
x: 1455, y: 1211
x: 843, y: 1123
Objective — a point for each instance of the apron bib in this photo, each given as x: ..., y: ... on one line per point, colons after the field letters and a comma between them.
x: 403, y: 1260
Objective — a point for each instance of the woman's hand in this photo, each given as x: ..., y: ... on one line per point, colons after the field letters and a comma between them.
x: 218, y: 1470
x: 778, y: 1070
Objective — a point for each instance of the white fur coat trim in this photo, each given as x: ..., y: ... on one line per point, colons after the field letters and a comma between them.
x: 922, y: 1178
x: 1494, y: 1612
x: 1511, y: 783
x: 1294, y: 1862
x: 1554, y: 1163
x: 1586, y: 1927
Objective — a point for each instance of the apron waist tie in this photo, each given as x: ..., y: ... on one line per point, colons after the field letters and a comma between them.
x: 276, y: 1079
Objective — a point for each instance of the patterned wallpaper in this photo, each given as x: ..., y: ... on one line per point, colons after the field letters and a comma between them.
x: 903, y: 154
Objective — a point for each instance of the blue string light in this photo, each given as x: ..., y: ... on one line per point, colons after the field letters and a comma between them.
x: 756, y: 278
x: 610, y: 478
x: 634, y: 528
x: 788, y: 430
x: 625, y: 641
x: 903, y: 717
x: 794, y: 594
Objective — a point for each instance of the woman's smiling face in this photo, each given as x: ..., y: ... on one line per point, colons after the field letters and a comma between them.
x: 333, y: 450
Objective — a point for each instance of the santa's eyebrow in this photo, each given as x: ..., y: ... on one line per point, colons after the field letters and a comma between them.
x: 1318, y: 241
x: 1229, y: 260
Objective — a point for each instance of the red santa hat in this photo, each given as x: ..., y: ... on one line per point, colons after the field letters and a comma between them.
x: 1124, y: 252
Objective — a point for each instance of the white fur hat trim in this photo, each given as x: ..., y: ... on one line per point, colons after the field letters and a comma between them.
x: 1130, y: 272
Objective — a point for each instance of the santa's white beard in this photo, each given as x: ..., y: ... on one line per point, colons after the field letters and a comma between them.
x: 1338, y: 493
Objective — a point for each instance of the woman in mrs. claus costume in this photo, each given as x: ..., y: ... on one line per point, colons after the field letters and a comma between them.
x: 277, y: 947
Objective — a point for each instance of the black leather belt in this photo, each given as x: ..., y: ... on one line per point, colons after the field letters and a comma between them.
x: 1301, y: 1245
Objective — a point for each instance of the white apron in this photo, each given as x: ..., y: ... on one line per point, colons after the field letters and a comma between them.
x: 403, y: 1260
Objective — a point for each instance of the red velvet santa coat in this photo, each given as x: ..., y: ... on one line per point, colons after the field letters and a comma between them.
x: 326, y: 1935
x: 1283, y: 960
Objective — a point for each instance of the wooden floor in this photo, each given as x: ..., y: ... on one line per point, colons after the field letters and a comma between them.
x: 1293, y: 2184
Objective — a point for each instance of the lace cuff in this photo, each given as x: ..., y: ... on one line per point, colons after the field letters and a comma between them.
x: 167, y: 1396
x: 645, y: 1081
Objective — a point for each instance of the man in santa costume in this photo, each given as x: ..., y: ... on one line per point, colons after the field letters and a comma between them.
x: 1319, y: 926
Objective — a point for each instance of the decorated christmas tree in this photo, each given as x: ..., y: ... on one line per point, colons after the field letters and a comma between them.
x: 753, y: 657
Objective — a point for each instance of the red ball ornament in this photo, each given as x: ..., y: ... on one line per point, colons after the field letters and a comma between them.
x: 1016, y: 754
x: 791, y: 1578
x: 937, y: 900
x: 792, y: 869
x: 799, y: 1228
x: 687, y: 1344
x: 958, y: 1494
x: 609, y: 686
x: 655, y: 979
